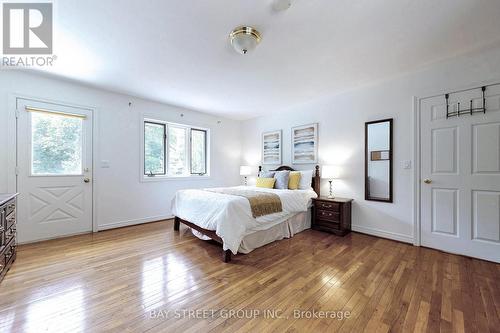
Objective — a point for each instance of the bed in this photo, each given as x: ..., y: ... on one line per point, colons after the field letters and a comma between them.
x: 227, y: 219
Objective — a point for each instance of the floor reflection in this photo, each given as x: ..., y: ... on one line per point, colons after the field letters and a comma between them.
x: 153, y: 281
x: 329, y: 279
x: 163, y: 278
x: 63, y: 312
x: 7, y: 321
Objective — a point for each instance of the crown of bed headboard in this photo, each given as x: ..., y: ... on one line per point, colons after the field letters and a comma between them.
x: 316, y: 184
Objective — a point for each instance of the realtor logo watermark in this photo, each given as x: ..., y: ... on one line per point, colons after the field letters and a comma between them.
x: 27, y: 30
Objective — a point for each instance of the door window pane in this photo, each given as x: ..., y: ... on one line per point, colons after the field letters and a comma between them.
x: 177, y: 155
x: 154, y: 149
x: 56, y: 144
x: 198, y: 151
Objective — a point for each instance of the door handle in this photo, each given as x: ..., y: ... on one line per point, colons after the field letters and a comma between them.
x: 427, y: 181
x: 86, y: 180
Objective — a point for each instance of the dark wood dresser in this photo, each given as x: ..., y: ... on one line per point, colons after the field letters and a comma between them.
x: 8, y: 241
x: 332, y: 215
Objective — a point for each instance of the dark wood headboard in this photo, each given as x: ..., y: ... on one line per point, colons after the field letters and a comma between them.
x: 316, y: 184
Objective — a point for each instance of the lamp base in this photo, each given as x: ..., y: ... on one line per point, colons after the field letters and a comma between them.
x: 330, y: 195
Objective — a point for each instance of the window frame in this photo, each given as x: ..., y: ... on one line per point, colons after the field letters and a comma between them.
x: 187, y: 175
x: 150, y: 175
x: 191, y: 150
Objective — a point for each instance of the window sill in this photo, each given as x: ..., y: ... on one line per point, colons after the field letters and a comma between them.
x: 173, y: 178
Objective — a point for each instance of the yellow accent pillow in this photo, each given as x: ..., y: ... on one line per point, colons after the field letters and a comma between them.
x: 294, y: 180
x: 265, y: 182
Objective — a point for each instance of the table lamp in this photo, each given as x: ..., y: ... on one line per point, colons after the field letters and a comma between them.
x: 330, y: 172
x: 246, y: 171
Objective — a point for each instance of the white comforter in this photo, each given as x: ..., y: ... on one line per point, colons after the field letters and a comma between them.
x: 230, y: 216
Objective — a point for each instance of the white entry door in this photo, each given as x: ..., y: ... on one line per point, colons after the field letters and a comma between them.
x: 54, y: 161
x: 460, y: 175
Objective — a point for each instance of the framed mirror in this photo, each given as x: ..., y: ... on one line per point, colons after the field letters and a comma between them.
x: 378, y: 160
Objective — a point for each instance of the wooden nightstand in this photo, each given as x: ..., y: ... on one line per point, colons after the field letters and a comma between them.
x: 332, y: 215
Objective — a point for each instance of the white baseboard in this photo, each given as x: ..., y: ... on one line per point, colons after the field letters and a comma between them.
x: 383, y: 234
x: 127, y: 223
x: 38, y: 240
x: 104, y: 227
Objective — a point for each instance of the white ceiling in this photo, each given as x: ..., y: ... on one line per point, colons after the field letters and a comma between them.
x: 177, y: 51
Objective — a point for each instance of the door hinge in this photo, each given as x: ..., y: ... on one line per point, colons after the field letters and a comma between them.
x: 17, y: 113
x: 17, y: 170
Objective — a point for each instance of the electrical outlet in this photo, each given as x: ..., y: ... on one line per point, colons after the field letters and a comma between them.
x: 407, y: 164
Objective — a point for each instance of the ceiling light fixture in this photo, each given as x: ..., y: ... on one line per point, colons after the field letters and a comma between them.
x: 244, y: 39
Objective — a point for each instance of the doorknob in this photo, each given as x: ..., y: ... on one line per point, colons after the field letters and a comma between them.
x: 86, y: 180
x: 427, y: 181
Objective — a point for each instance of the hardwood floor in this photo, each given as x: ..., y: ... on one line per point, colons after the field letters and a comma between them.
x: 125, y: 280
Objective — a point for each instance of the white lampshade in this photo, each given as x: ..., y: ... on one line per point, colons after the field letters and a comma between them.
x: 245, y: 170
x: 330, y: 172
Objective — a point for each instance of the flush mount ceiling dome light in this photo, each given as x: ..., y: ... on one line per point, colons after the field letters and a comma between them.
x: 244, y: 39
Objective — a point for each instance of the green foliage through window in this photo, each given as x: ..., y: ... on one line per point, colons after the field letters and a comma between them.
x: 174, y: 150
x: 154, y: 148
x: 56, y: 144
x: 198, y: 151
x: 177, y: 154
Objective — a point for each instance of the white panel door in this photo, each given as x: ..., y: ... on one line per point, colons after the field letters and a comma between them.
x: 460, y: 175
x: 54, y: 160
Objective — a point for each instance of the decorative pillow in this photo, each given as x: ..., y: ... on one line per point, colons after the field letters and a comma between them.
x: 294, y: 180
x: 305, y: 180
x: 267, y: 174
x: 265, y: 182
x: 281, y: 179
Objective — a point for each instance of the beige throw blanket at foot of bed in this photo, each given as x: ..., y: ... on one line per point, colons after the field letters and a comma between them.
x: 261, y: 203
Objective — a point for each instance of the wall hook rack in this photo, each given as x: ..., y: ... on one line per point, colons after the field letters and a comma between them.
x: 470, y: 110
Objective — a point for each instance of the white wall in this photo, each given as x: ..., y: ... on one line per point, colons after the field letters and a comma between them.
x: 121, y: 198
x: 341, y: 121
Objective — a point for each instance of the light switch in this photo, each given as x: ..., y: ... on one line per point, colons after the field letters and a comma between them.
x: 407, y: 164
x: 104, y: 164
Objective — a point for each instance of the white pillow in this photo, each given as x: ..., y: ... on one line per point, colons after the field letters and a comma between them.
x: 305, y: 179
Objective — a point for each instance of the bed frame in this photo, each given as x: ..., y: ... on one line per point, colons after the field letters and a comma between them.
x: 226, y: 255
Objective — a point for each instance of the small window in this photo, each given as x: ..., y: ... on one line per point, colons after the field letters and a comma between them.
x: 198, y: 152
x: 174, y: 150
x: 56, y: 144
x: 154, y: 148
x: 177, y: 152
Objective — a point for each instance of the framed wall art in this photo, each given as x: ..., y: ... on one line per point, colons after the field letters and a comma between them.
x: 305, y: 144
x: 271, y: 147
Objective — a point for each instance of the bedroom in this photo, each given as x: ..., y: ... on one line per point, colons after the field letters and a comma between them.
x: 95, y: 247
